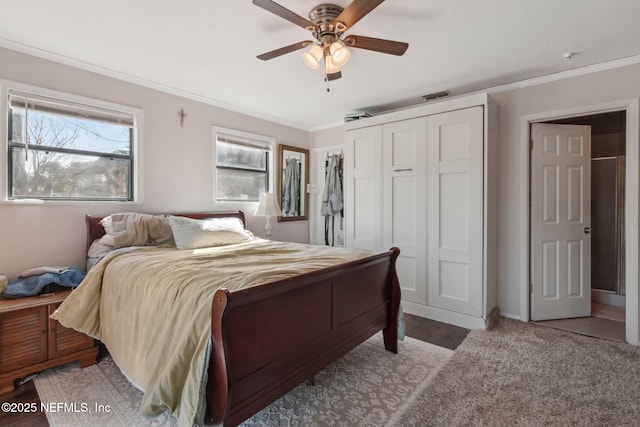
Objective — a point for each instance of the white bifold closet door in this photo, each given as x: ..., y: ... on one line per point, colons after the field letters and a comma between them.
x: 455, y: 211
x: 363, y: 181
x: 404, y: 203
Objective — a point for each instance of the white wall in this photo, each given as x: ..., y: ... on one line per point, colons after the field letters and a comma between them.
x: 570, y: 92
x: 327, y: 137
x: 178, y: 174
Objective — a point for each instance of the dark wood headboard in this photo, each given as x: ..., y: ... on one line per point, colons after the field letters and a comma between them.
x: 95, y: 230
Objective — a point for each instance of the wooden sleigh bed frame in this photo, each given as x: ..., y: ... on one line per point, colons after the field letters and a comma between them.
x: 268, y: 339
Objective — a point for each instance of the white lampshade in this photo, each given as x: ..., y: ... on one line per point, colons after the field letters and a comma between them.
x: 330, y: 67
x: 268, y: 205
x: 313, y: 56
x: 339, y: 54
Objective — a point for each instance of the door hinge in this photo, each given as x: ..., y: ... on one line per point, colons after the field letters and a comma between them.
x: 530, y: 287
x: 531, y: 145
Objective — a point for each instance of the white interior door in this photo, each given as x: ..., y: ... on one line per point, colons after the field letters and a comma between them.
x: 560, y: 221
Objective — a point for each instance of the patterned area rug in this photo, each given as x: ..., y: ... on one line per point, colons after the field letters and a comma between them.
x: 367, y: 387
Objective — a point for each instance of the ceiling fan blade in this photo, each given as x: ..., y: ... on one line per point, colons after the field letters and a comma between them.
x: 378, y: 45
x: 285, y: 13
x: 284, y: 50
x: 356, y: 11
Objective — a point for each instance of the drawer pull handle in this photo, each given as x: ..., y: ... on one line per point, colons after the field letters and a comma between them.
x: 403, y: 170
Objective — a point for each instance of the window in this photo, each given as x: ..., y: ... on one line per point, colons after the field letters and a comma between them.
x: 63, y: 150
x: 242, y: 166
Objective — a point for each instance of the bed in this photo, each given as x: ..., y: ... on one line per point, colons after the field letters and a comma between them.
x: 263, y: 340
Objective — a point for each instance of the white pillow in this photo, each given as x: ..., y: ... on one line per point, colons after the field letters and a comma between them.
x: 192, y: 233
x: 100, y: 247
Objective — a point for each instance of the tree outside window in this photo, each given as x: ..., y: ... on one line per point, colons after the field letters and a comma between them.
x: 67, y: 151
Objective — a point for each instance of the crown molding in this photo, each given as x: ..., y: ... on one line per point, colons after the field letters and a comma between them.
x: 581, y: 71
x: 104, y: 71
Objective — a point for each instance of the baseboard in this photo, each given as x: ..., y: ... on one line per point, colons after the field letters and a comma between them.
x: 609, y: 298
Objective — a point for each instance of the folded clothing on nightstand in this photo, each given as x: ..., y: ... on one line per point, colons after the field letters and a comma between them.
x: 34, y: 284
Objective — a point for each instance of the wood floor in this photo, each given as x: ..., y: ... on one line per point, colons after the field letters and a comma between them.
x: 611, y: 312
x: 441, y: 334
x: 438, y: 333
x: 27, y: 394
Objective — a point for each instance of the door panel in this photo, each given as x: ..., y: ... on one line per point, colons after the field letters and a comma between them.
x: 404, y: 189
x: 550, y: 194
x: 576, y: 193
x: 455, y: 211
x: 404, y: 218
x: 575, y: 262
x: 550, y: 269
x: 363, y: 201
x: 560, y: 217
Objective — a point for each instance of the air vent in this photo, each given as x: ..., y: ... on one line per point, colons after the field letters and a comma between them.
x: 435, y: 95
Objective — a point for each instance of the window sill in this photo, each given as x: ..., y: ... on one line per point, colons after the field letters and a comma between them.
x: 31, y: 202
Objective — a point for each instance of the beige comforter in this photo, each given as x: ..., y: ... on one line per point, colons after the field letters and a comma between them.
x: 151, y: 307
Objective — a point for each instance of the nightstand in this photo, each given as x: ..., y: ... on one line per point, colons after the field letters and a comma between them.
x: 31, y: 342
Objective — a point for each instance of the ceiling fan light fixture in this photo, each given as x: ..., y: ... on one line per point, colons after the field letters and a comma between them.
x: 339, y: 54
x: 328, y: 23
x: 330, y: 67
x: 313, y: 56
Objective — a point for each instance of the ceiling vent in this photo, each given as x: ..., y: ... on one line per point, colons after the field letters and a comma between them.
x: 435, y: 95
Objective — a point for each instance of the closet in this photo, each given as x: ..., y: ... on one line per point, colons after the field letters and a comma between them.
x: 326, y: 227
x: 424, y: 180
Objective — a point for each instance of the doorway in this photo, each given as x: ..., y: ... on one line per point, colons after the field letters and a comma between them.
x: 601, y: 267
x: 324, y: 230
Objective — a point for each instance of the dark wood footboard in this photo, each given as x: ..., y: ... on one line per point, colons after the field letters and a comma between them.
x: 269, y: 339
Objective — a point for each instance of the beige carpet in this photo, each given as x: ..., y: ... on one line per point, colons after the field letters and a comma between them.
x: 367, y: 387
x: 521, y: 374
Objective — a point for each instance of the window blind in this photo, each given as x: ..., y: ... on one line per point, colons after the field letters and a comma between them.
x: 240, y: 140
x: 29, y: 101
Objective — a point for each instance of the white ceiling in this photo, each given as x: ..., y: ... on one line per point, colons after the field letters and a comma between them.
x: 206, y: 49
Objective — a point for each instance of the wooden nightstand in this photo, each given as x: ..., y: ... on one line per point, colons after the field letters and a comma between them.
x: 31, y: 342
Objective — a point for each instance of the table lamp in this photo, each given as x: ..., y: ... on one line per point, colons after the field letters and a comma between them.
x: 268, y: 207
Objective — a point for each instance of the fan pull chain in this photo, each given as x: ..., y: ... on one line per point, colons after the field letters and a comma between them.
x: 327, y: 82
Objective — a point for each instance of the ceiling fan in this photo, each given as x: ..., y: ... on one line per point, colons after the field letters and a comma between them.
x: 328, y: 23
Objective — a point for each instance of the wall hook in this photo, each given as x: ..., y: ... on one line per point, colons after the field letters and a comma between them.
x: 182, y: 116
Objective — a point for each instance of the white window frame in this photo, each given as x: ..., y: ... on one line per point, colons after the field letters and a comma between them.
x: 137, y: 146
x: 266, y: 140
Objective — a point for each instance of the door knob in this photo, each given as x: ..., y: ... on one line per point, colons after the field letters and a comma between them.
x: 587, y: 230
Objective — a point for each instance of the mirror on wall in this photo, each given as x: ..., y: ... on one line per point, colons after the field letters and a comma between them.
x: 293, y: 176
